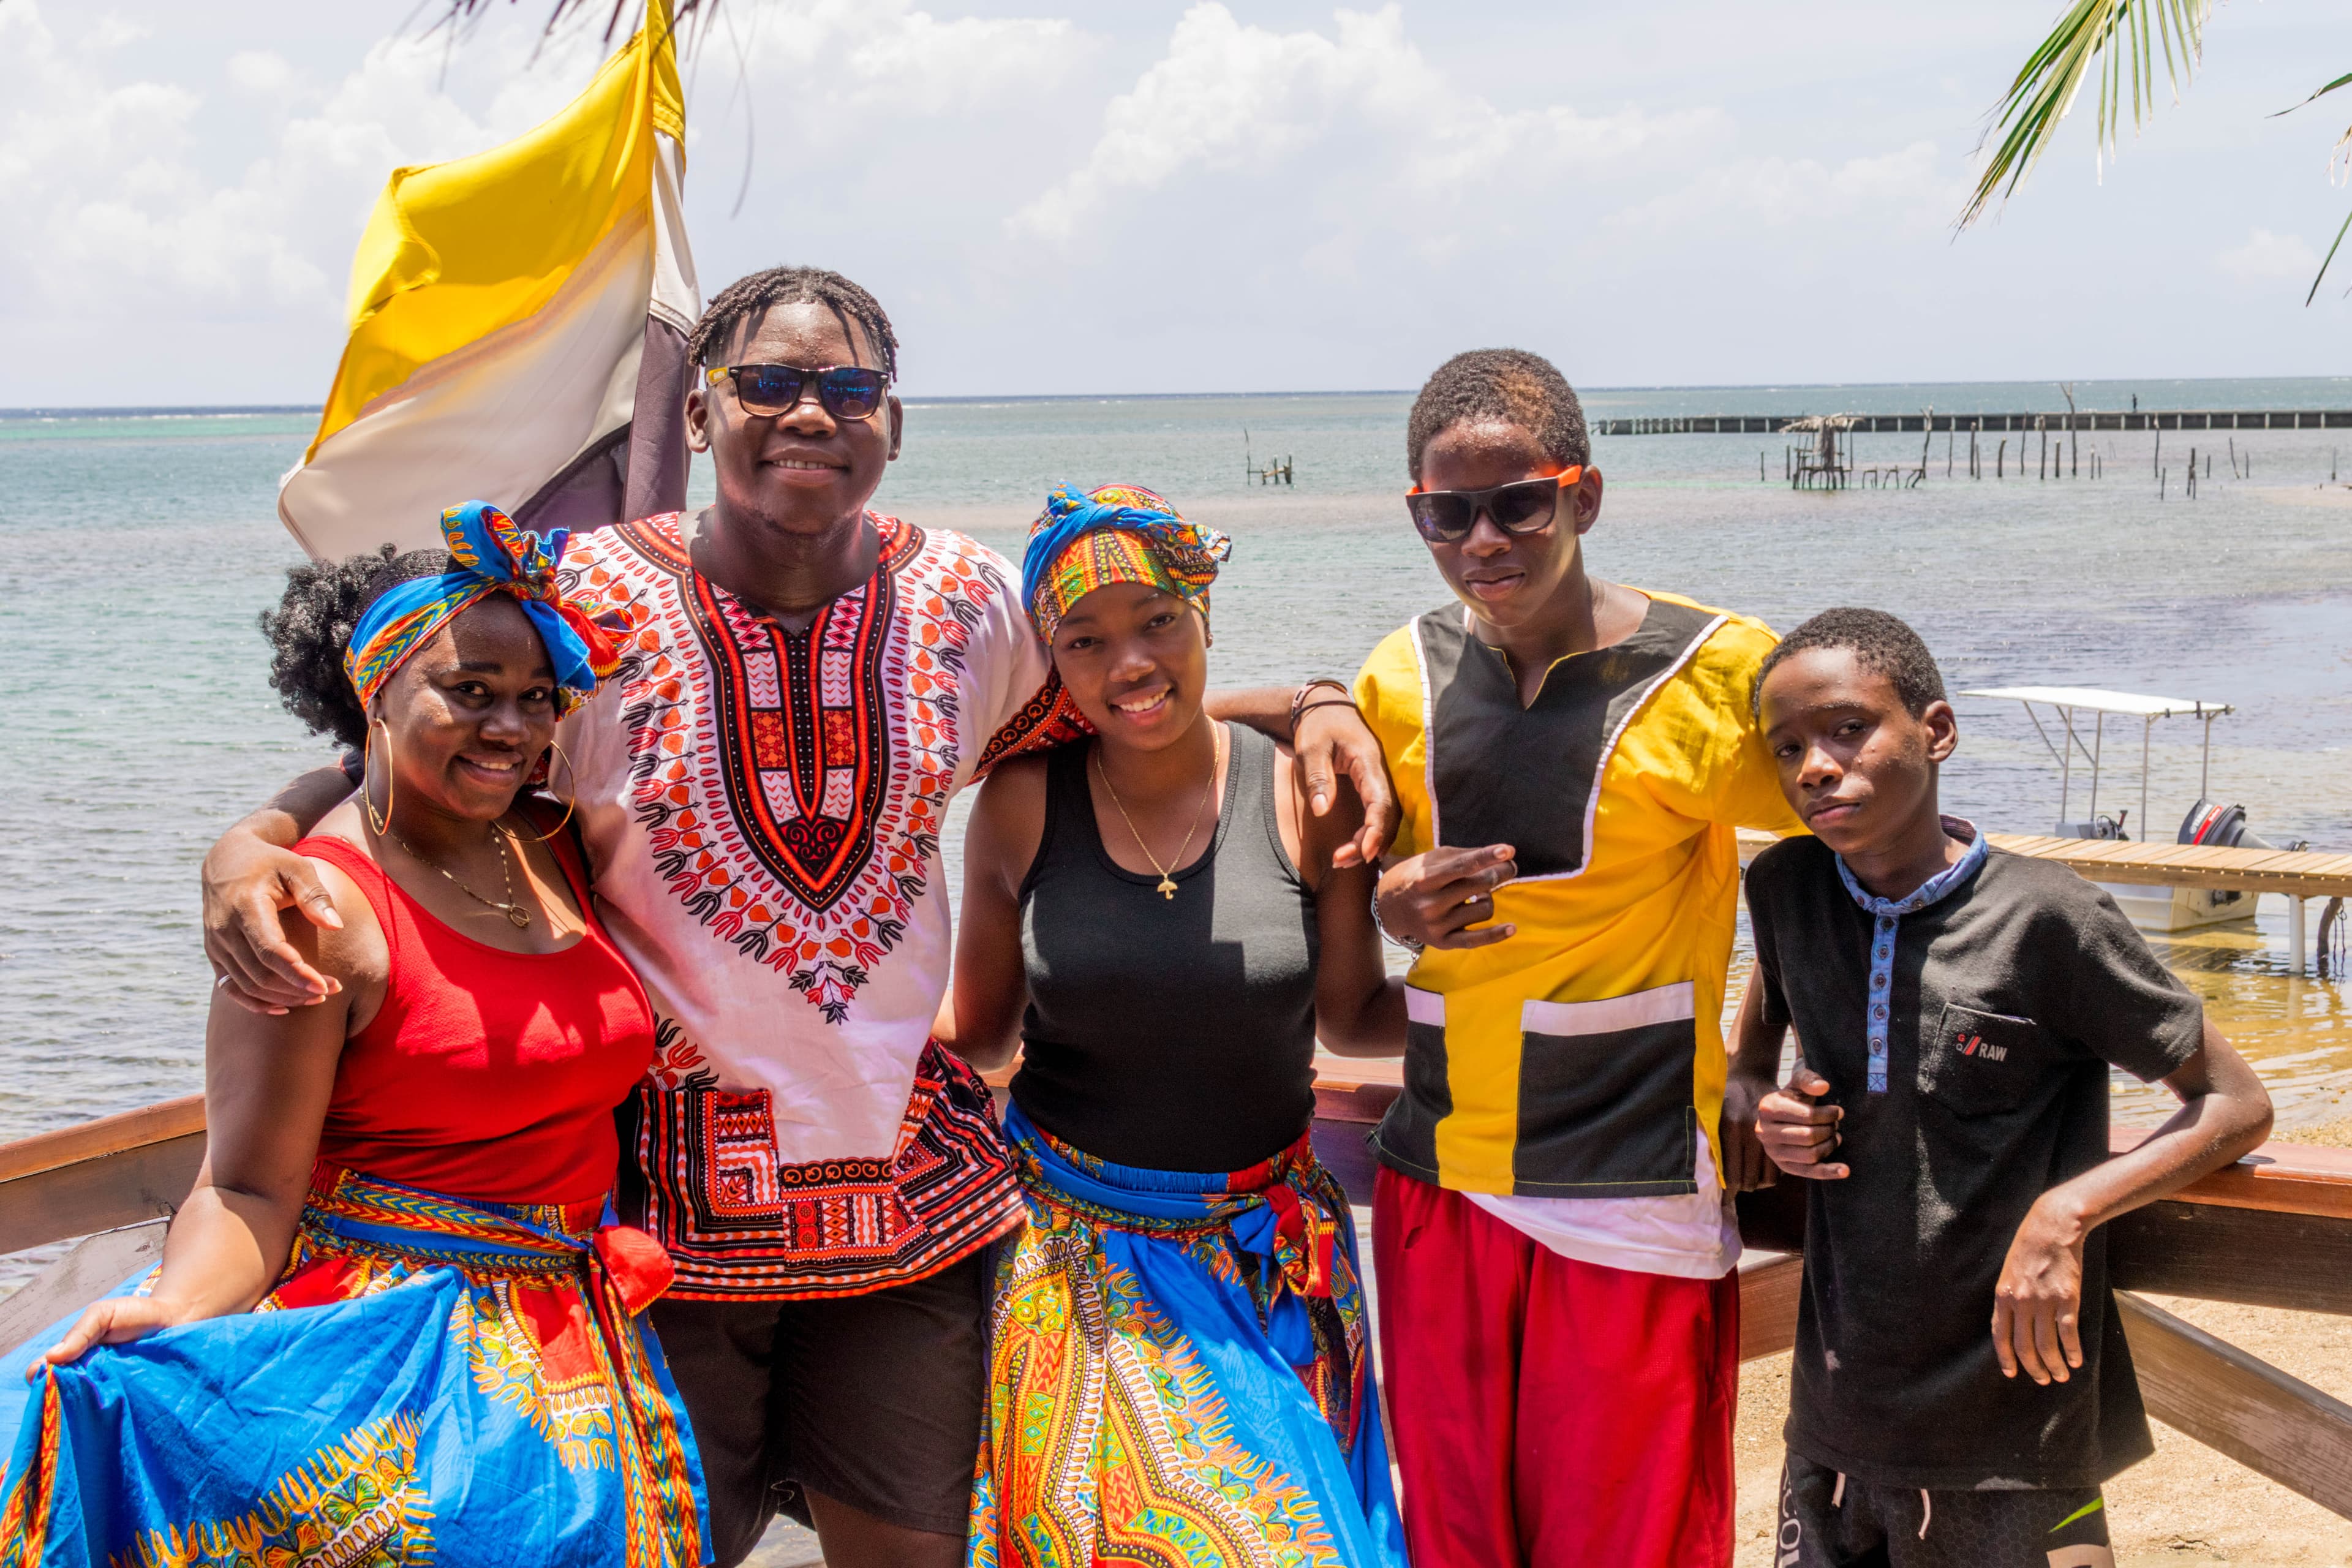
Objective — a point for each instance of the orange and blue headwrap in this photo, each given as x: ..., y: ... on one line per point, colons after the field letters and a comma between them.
x: 1119, y: 533
x: 491, y: 555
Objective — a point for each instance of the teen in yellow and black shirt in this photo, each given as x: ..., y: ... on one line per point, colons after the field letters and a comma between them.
x: 1552, y: 1230
x: 1581, y: 1058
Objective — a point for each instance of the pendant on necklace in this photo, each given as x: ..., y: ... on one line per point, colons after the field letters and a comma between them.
x: 517, y: 916
x: 1167, y: 887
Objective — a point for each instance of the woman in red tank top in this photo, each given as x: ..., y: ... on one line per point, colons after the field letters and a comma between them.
x: 441, y: 1122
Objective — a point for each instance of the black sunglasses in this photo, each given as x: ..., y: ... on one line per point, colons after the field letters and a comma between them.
x: 1523, y: 506
x: 845, y: 391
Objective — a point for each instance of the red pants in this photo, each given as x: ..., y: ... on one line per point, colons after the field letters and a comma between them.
x: 1547, y: 1412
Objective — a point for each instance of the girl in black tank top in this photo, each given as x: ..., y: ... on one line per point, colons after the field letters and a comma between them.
x: 1152, y: 917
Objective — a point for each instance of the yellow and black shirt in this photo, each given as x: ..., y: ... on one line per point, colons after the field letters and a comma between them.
x: 1583, y: 1057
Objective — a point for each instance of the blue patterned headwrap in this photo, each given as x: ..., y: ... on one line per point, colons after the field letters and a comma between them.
x: 1119, y: 533
x: 490, y: 554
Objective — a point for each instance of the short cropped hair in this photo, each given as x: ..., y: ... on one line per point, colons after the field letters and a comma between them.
x: 1879, y: 642
x: 1510, y: 384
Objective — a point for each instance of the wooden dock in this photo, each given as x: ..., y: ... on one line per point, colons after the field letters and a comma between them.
x: 2304, y: 874
x: 2088, y: 419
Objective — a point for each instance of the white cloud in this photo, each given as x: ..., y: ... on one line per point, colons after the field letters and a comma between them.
x: 1154, y: 197
x: 824, y: 55
x: 2266, y: 258
x: 110, y: 202
x: 112, y: 32
x: 1904, y: 189
x: 260, y: 73
x: 1228, y: 97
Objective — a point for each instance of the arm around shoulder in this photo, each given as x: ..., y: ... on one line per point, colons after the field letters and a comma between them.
x: 250, y: 876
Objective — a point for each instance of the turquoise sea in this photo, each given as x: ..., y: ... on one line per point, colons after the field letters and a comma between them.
x: 135, y: 722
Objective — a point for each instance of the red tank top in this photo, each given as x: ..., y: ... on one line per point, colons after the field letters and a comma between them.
x: 485, y: 1074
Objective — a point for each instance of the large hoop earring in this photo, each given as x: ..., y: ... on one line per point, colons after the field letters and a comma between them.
x: 568, y: 799
x: 382, y: 825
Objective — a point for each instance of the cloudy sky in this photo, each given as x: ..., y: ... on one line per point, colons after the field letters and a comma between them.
x: 1232, y: 194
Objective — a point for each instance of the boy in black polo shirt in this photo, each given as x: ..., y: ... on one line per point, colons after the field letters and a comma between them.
x: 1957, y: 1009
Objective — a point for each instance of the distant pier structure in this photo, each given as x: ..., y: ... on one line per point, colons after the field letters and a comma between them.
x: 2088, y: 419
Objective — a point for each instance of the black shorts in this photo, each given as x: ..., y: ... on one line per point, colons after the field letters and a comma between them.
x: 872, y: 1400
x: 1829, y: 1520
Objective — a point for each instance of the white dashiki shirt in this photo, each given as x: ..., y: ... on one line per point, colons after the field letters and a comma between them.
x: 764, y: 810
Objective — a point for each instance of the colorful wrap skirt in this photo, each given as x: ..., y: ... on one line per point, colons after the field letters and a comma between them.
x: 433, y: 1381
x: 1180, y: 1373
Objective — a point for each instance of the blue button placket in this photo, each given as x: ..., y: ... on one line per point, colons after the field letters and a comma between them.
x: 1886, y: 917
x: 1882, y: 998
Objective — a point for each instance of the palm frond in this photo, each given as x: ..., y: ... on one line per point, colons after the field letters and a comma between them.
x: 2339, y: 154
x: 2116, y: 41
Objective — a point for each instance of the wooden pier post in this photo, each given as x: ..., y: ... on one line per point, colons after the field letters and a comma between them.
x: 2000, y: 460
x: 2044, y: 472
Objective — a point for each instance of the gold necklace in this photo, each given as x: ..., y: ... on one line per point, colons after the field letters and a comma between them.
x: 517, y: 916
x: 1166, y: 886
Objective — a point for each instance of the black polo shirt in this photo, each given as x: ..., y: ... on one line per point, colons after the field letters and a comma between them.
x: 2010, y: 998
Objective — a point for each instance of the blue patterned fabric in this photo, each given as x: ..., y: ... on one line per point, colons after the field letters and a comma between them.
x: 1886, y: 915
x: 1180, y: 1373
x: 489, y: 554
x: 432, y: 1381
x: 1137, y: 537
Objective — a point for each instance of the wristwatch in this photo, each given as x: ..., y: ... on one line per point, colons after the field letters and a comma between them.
x: 1415, y: 948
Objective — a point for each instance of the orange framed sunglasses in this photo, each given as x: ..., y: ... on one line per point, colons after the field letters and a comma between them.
x: 1523, y: 506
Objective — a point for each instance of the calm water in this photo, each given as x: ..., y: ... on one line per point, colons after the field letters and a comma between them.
x: 135, y: 722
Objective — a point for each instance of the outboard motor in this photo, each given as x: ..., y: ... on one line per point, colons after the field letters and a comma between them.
x: 2099, y: 827
x: 2224, y: 826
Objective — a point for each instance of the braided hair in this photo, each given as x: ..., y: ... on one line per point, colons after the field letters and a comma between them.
x: 1508, y: 384
x: 747, y: 299
x: 311, y: 626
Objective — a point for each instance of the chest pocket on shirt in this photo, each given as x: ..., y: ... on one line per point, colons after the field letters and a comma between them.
x: 1980, y: 1064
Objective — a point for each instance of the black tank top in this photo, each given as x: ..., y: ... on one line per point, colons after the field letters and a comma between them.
x: 1171, y: 1034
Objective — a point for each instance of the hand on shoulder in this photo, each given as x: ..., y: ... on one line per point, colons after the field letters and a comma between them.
x: 1312, y: 842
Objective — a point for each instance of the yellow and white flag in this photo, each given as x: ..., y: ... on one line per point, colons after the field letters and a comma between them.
x: 518, y: 328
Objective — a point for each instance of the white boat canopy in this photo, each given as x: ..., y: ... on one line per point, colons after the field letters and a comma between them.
x: 2069, y: 700
x: 2093, y: 699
